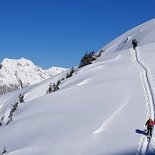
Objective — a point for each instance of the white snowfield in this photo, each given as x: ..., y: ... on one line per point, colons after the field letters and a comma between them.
x: 101, y: 110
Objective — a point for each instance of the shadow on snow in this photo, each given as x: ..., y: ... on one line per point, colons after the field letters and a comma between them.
x: 142, y: 132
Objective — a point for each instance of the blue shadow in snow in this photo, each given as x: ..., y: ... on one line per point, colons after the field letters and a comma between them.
x: 142, y: 132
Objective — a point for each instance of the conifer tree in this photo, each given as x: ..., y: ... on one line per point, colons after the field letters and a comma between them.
x: 100, y: 53
x: 53, y: 87
x: 4, y: 151
x: 21, y: 98
x: 87, y: 59
x: 71, y: 72
x: 50, y: 88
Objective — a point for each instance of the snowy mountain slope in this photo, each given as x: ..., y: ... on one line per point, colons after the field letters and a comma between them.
x: 101, y: 110
x: 66, y: 114
x: 144, y: 33
x: 22, y: 73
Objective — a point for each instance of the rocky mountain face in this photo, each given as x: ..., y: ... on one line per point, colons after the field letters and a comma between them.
x: 20, y: 73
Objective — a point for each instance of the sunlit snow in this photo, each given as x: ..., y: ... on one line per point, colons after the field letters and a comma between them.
x: 101, y: 110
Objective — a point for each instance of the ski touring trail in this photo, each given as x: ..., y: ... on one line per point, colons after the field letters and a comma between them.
x: 146, y: 146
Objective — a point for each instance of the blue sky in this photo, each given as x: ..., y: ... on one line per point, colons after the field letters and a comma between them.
x: 59, y: 32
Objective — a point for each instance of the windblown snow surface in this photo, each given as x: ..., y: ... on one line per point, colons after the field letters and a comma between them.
x: 101, y: 110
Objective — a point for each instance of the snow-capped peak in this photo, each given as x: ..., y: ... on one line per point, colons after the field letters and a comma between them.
x: 54, y: 70
x: 21, y: 61
x: 19, y: 73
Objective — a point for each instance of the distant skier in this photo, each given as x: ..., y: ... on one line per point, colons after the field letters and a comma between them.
x: 134, y: 43
x: 149, y: 124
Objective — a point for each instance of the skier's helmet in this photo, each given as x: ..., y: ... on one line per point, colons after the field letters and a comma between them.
x: 134, y: 41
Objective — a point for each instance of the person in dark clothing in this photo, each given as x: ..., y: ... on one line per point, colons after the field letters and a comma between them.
x: 134, y: 43
x: 149, y: 124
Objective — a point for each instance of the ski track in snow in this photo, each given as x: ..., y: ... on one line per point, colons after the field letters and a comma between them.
x: 148, y: 88
x: 151, y: 80
x: 105, y: 124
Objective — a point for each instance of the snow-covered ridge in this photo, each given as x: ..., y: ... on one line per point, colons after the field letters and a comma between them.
x: 54, y: 70
x: 19, y: 73
x: 144, y: 33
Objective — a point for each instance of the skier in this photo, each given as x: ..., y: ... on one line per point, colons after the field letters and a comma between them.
x: 134, y: 43
x: 149, y: 124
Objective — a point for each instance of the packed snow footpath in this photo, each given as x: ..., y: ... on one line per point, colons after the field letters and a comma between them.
x: 100, y: 110
x: 145, y: 146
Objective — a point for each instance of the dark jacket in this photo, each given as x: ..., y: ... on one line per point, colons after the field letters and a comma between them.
x: 134, y: 43
x: 150, y: 123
